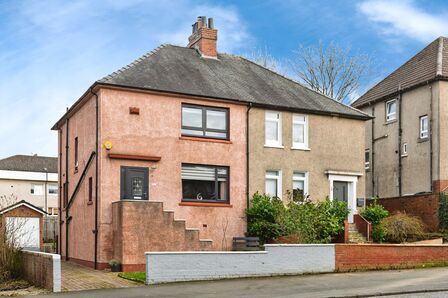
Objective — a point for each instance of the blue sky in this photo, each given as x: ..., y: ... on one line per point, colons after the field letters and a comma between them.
x: 52, y: 51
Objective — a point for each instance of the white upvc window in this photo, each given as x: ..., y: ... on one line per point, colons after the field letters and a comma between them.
x: 37, y: 189
x: 367, y: 159
x: 273, y: 183
x: 273, y: 129
x: 424, y: 127
x: 391, y: 110
x: 52, y: 189
x: 299, y: 131
x: 404, y: 150
x: 300, y: 183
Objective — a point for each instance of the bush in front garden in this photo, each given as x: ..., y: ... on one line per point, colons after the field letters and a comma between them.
x: 375, y: 213
x: 401, y: 227
x: 299, y: 222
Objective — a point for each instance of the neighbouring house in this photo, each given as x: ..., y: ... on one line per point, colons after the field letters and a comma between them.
x: 23, y: 225
x: 154, y: 156
x: 30, y: 178
x: 406, y: 151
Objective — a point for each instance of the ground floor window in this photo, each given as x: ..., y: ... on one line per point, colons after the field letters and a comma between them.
x: 205, y: 183
x: 300, y: 184
x: 273, y: 183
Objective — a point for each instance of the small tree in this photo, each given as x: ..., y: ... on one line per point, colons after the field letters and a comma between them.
x: 331, y: 70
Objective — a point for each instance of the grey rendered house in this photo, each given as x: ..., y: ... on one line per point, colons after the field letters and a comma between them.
x: 406, y: 145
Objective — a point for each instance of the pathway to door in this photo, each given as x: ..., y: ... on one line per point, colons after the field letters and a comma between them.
x: 78, y: 278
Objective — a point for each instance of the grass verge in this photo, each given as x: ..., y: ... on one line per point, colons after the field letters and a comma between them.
x: 134, y: 276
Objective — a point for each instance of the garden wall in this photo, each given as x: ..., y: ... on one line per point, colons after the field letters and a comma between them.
x: 289, y: 259
x: 42, y: 269
x: 424, y: 206
x: 351, y: 257
x: 277, y: 259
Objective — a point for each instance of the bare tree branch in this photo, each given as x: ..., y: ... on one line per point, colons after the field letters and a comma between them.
x: 331, y: 70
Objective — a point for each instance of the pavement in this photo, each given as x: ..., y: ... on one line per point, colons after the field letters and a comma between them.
x: 398, y: 283
x: 78, y: 278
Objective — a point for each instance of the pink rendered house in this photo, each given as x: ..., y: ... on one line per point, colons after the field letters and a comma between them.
x: 154, y: 156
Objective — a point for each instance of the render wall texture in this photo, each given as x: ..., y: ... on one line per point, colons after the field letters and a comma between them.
x: 22, y: 190
x: 276, y: 260
x: 416, y: 175
x: 335, y: 144
x: 42, y: 270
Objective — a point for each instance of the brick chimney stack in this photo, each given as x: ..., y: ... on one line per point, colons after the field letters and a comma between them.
x: 204, y: 37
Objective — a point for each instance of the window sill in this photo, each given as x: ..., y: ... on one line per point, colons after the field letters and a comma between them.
x: 300, y: 148
x: 404, y: 155
x: 89, y: 203
x: 205, y: 204
x: 390, y: 122
x: 185, y: 138
x: 422, y: 140
x: 274, y: 146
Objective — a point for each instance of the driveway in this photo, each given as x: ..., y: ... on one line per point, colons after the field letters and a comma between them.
x: 78, y: 278
x: 419, y: 283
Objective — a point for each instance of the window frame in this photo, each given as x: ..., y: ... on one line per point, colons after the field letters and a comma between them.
x: 227, y: 201
x: 76, y: 153
x: 423, y: 134
x: 304, y: 145
x: 367, y: 162
x: 54, y: 186
x: 204, y: 128
x: 90, y: 194
x: 305, y: 180
x: 278, y: 179
x: 279, y: 142
x: 394, y: 114
x: 33, y: 192
x: 404, y: 149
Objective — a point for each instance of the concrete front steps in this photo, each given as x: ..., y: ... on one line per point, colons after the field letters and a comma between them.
x: 144, y: 226
x: 354, y: 236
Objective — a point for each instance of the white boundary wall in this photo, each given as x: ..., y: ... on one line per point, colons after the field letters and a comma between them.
x: 43, y: 269
x: 277, y: 259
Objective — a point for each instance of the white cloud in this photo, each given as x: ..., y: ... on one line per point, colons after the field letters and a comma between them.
x: 52, y: 50
x: 403, y: 18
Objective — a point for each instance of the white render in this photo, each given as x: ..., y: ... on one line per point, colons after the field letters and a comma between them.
x: 277, y: 259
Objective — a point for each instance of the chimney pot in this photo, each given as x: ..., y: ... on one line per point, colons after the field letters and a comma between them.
x: 210, y: 23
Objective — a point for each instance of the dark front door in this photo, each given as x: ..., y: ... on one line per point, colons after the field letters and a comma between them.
x: 340, y: 191
x: 134, y: 183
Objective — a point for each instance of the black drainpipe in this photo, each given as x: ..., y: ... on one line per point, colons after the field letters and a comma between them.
x: 66, y: 189
x: 430, y: 140
x: 247, y: 160
x: 372, y: 166
x: 59, y: 250
x: 95, y: 231
x: 400, y: 134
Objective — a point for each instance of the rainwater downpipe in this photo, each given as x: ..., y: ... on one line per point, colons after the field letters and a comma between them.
x: 95, y: 231
x: 247, y: 161
x: 66, y: 188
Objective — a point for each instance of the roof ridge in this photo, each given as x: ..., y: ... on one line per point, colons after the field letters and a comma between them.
x: 300, y: 84
x: 133, y: 63
x: 397, y: 69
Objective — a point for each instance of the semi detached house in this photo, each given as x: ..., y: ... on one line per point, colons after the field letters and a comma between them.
x: 163, y: 154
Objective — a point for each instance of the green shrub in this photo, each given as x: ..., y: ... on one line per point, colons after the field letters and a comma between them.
x: 302, y: 221
x: 375, y: 213
x: 263, y: 217
x: 401, y: 227
x: 443, y: 211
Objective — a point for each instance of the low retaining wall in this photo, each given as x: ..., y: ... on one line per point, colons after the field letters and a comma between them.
x: 424, y: 206
x: 42, y: 269
x: 275, y: 260
x: 289, y: 259
x: 351, y: 257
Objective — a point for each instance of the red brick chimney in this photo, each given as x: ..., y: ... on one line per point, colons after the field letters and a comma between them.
x: 204, y: 37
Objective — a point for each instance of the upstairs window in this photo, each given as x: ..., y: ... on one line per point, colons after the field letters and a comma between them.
x: 273, y: 129
x: 205, y: 122
x: 367, y: 159
x: 52, y: 189
x: 424, y: 127
x: 202, y: 183
x: 391, y: 110
x: 37, y: 189
x: 90, y: 189
x: 299, y: 131
x: 76, y: 153
x: 273, y: 184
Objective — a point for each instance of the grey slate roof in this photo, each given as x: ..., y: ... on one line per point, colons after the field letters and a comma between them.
x: 429, y: 64
x: 29, y: 163
x: 182, y: 70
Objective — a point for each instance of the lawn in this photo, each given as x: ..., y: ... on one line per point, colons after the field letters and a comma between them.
x: 134, y: 276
